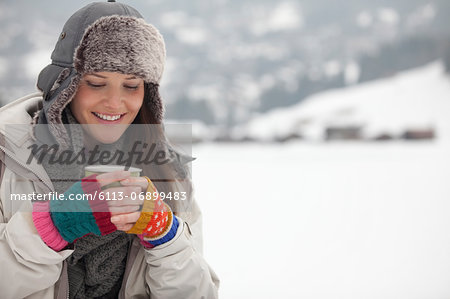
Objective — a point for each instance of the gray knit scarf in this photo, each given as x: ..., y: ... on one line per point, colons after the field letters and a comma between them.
x: 97, y: 265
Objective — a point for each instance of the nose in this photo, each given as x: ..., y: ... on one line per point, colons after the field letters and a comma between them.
x: 113, y: 99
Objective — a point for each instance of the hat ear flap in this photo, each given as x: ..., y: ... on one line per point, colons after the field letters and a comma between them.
x: 152, y: 109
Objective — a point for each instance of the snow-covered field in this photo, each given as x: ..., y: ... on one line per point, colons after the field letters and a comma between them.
x: 327, y: 221
x: 340, y: 219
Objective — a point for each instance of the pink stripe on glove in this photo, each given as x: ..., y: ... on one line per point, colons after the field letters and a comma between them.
x: 45, y: 227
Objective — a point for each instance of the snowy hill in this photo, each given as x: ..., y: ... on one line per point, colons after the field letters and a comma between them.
x: 419, y: 98
x: 229, y: 59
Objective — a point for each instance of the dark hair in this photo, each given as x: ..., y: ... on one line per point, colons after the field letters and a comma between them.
x: 170, y: 177
x: 152, y: 109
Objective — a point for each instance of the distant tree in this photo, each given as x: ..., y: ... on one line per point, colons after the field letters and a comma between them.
x: 187, y: 109
x: 399, y: 56
x: 446, y: 58
x: 279, y: 96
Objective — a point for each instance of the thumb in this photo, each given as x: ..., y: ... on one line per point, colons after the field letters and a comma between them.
x: 111, y: 177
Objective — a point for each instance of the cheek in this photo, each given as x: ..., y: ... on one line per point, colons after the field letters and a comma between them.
x: 75, y: 107
x: 78, y: 106
x: 136, y: 105
x: 81, y: 100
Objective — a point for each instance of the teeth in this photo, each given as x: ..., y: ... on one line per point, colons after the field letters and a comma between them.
x: 107, y: 117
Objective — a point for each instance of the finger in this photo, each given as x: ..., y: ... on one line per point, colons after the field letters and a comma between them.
x: 123, y: 195
x: 136, y: 181
x: 123, y: 219
x: 111, y: 177
x: 125, y: 227
x: 123, y: 209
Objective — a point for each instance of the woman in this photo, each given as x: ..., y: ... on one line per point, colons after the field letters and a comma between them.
x: 98, y: 97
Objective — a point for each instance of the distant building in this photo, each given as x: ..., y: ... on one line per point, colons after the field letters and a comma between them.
x: 383, y: 137
x: 343, y: 133
x: 419, y: 134
x: 289, y: 137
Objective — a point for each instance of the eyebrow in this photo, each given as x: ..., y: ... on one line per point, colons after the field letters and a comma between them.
x: 103, y: 77
x: 97, y: 75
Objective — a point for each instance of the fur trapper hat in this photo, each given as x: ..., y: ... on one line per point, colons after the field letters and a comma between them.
x: 102, y: 36
x: 122, y: 44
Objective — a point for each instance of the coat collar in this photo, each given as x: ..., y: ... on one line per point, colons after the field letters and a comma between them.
x: 16, y: 132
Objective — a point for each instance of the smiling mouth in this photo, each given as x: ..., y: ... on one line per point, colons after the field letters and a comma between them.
x: 106, y: 117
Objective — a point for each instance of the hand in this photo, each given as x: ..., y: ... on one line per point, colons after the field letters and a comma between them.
x: 60, y: 222
x: 126, y: 211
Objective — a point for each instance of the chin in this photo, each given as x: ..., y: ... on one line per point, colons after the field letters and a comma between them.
x: 107, y: 139
x: 107, y: 134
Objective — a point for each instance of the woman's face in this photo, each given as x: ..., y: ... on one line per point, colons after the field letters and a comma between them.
x: 107, y: 102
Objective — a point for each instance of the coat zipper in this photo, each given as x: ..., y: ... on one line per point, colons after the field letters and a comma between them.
x: 64, y: 291
x: 26, y: 167
x: 132, y: 253
x: 42, y: 180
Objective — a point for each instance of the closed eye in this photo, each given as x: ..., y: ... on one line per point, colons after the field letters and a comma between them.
x: 132, y: 87
x: 95, y: 85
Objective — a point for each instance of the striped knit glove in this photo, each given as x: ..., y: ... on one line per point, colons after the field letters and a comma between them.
x: 60, y: 222
x: 157, y: 224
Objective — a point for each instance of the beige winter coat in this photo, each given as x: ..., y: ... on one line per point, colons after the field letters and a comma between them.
x: 30, y: 269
